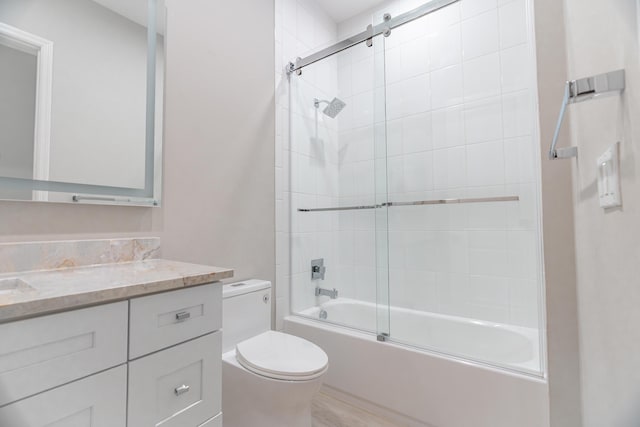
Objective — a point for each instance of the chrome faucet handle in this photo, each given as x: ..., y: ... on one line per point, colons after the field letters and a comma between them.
x: 318, y: 269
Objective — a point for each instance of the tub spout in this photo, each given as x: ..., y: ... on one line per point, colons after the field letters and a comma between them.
x: 333, y: 294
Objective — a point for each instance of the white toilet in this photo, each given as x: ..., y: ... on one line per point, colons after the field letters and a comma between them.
x: 268, y: 377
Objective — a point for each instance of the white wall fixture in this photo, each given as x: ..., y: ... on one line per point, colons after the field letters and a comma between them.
x: 42, y: 49
x: 609, y: 193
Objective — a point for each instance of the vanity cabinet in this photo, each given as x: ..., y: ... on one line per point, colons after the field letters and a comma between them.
x: 45, y: 352
x: 162, y: 320
x: 180, y: 385
x: 150, y: 361
x: 176, y: 387
x: 95, y: 401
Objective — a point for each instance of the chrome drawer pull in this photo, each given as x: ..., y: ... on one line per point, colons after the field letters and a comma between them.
x: 181, y: 390
x: 183, y: 315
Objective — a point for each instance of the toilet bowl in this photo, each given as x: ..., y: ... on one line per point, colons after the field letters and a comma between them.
x: 268, y: 378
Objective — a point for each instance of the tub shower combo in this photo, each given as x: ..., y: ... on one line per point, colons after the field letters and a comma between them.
x: 414, y: 213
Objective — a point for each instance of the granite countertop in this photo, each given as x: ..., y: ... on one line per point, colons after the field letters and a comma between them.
x: 31, y: 293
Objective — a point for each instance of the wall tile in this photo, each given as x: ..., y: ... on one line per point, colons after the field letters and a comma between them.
x: 447, y: 126
x: 446, y: 47
x: 515, y: 69
x: 458, y: 123
x: 480, y: 35
x: 418, y: 171
x: 449, y: 168
x: 485, y: 164
x: 483, y: 120
x: 482, y: 77
x: 513, y: 23
x: 416, y: 133
x: 446, y: 87
x: 518, y: 110
x: 471, y: 8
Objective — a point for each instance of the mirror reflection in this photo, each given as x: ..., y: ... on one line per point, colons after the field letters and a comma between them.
x: 73, y: 85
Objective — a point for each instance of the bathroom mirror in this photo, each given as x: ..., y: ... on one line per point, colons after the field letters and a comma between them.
x: 81, y: 100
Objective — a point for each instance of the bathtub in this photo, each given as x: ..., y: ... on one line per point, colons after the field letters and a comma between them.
x: 441, y: 387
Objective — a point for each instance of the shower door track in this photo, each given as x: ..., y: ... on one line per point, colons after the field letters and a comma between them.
x: 368, y: 34
x: 418, y: 203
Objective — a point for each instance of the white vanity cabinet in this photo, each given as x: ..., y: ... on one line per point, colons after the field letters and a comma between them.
x: 173, y: 383
x: 178, y: 386
x: 151, y: 361
x: 98, y: 400
x: 45, y: 352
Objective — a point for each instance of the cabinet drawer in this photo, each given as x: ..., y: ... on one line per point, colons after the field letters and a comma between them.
x: 213, y: 422
x: 162, y: 320
x: 95, y: 401
x: 177, y: 387
x: 45, y: 352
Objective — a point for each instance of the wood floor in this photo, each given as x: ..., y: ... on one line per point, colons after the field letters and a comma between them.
x: 327, y: 411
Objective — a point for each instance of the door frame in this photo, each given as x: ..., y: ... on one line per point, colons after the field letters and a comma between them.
x: 43, y: 50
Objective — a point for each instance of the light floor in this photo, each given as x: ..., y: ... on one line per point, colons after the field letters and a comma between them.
x: 329, y: 412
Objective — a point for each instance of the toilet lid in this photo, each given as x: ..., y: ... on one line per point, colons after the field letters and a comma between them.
x: 282, y: 356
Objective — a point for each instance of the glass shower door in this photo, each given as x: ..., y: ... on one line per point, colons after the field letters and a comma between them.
x: 383, y: 308
x: 464, y: 250
x: 338, y: 197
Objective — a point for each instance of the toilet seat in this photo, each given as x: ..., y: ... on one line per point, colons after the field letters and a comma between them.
x: 282, y: 357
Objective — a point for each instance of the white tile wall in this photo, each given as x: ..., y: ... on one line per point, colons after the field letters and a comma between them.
x: 459, y: 123
x: 306, y: 163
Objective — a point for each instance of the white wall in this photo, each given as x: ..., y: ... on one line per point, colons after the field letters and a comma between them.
x: 306, y: 168
x: 218, y: 198
x: 559, y: 252
x: 99, y: 91
x: 219, y: 131
x: 602, y: 37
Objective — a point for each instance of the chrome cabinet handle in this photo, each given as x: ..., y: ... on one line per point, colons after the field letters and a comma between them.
x: 183, y: 315
x: 181, y: 390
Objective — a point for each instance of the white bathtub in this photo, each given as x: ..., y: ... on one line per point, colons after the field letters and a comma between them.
x: 496, y: 344
x: 421, y: 387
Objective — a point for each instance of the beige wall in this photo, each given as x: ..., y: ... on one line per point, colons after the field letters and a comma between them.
x: 219, y: 186
x: 218, y: 196
x: 603, y: 36
x: 558, y: 220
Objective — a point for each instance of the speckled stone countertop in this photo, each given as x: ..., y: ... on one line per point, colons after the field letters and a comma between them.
x: 31, y: 293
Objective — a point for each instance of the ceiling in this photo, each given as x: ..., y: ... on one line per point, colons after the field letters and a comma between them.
x: 136, y: 10
x: 341, y: 10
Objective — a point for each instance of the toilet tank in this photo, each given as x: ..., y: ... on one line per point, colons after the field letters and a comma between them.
x: 246, y: 311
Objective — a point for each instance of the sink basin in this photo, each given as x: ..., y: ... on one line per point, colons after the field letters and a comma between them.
x: 14, y: 286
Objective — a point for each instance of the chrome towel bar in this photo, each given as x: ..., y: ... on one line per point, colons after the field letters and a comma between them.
x: 581, y: 90
x: 419, y: 203
x: 78, y: 198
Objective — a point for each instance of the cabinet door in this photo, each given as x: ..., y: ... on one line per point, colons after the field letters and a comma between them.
x: 213, y: 422
x: 95, y: 401
x: 162, y: 320
x: 177, y: 387
x: 44, y: 352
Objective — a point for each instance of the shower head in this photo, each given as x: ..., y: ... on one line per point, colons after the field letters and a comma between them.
x: 333, y: 108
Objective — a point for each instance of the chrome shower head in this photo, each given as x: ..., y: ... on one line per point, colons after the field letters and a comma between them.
x: 333, y: 108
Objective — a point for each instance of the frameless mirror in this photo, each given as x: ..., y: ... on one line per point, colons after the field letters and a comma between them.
x: 81, y: 100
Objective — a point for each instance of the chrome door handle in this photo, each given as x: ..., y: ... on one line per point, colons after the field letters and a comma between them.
x: 183, y: 315
x: 181, y: 390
